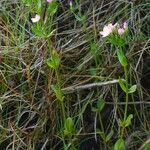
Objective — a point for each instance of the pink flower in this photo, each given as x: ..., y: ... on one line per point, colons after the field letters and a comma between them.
x: 112, y: 26
x: 125, y: 25
x: 116, y: 28
x: 49, y: 1
x: 107, y: 30
x: 121, y: 31
x: 36, y: 18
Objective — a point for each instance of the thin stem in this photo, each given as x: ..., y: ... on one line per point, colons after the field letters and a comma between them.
x: 126, y: 100
x: 102, y: 127
x: 57, y: 77
x: 63, y: 110
x: 101, y: 123
x: 62, y: 102
x: 127, y: 95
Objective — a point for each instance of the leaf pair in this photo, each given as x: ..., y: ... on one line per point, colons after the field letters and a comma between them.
x: 125, y: 123
x: 105, y: 137
x: 129, y: 90
x: 54, y: 61
x: 58, y: 92
x: 69, y: 127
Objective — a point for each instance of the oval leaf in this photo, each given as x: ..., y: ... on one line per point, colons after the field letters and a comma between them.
x: 132, y: 89
x: 52, y: 7
x: 122, y: 58
x: 119, y: 145
x: 128, y: 120
x: 68, y: 126
x: 122, y: 84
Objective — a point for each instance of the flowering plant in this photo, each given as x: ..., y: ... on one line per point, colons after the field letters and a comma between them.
x: 116, y: 33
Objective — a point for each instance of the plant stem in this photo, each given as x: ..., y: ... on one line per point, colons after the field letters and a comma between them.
x: 101, y: 123
x: 62, y: 102
x: 63, y: 110
x: 126, y: 100
x: 127, y: 95
x: 57, y: 77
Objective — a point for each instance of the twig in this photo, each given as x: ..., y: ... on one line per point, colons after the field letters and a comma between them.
x: 88, y: 86
x: 130, y: 103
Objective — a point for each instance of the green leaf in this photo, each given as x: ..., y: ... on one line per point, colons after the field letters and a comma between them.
x: 119, y: 145
x: 39, y: 30
x: 128, y: 120
x: 122, y: 58
x: 68, y: 127
x: 58, y: 92
x: 121, y: 123
x: 54, y: 61
x: 52, y: 7
x: 122, y: 84
x: 39, y: 6
x: 132, y: 89
x: 35, y: 5
x: 27, y: 2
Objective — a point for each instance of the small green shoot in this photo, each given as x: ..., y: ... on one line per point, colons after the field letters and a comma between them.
x: 54, y: 61
x: 125, y: 123
x: 58, y: 92
x: 69, y: 127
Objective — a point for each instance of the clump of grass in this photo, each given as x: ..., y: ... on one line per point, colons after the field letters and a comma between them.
x: 61, y: 83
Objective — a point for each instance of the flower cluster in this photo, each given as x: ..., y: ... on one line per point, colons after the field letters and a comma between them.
x: 110, y: 28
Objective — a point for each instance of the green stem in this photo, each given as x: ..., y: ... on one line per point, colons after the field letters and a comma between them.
x: 63, y: 110
x: 127, y: 95
x: 62, y: 102
x: 101, y: 123
x: 57, y: 77
x: 126, y: 100
x: 96, y: 62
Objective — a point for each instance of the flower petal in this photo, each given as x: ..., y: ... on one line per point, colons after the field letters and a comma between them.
x: 36, y: 18
x: 121, y: 31
x: 125, y: 25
